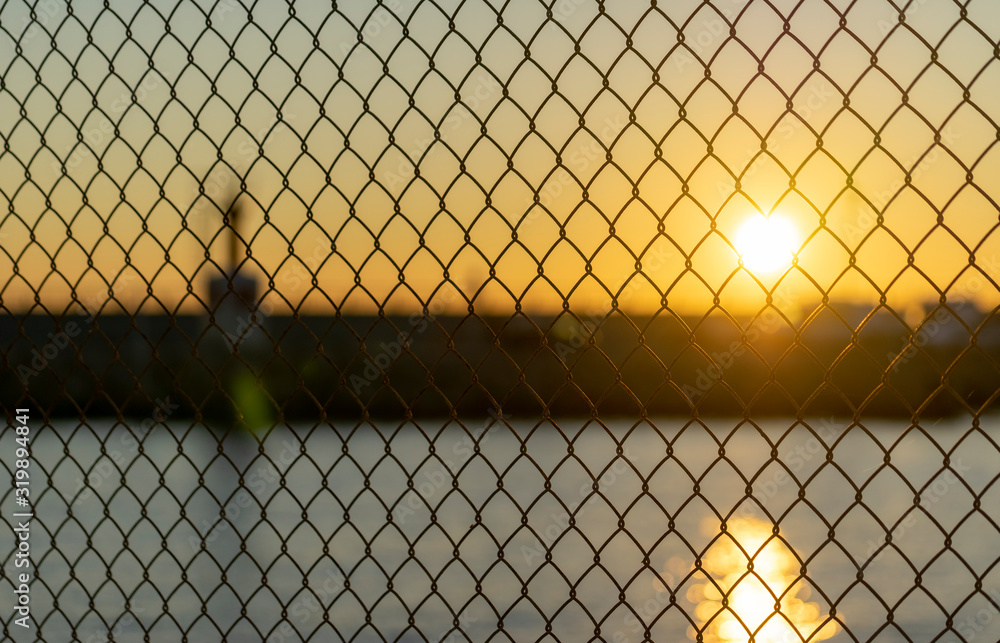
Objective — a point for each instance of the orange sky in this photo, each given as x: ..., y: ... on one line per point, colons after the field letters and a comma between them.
x: 669, y: 190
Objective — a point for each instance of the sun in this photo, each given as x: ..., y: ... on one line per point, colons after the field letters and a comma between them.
x: 767, y: 244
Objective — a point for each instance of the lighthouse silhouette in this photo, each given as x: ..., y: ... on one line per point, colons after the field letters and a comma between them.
x: 233, y: 305
x: 233, y: 297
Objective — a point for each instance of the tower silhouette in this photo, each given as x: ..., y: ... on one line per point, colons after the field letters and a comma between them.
x: 233, y: 297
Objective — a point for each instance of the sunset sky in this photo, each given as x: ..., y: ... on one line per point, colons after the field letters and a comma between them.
x: 608, y: 118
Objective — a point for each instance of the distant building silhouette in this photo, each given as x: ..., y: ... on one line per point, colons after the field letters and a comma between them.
x: 235, y: 295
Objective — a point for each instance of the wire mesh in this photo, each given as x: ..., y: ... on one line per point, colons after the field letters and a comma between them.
x: 421, y: 320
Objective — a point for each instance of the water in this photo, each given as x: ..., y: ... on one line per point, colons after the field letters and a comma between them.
x: 484, y: 551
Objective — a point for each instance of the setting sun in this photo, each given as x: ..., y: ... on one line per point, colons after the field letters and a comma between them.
x: 767, y: 244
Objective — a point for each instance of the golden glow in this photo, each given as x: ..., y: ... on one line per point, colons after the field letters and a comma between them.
x: 767, y: 244
x: 751, y: 596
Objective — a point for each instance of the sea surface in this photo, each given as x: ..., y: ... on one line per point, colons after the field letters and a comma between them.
x: 568, y: 530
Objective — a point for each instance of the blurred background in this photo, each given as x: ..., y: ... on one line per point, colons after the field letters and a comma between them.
x: 595, y: 173
x: 274, y: 223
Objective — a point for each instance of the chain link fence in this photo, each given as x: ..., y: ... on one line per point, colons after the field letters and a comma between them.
x: 422, y: 320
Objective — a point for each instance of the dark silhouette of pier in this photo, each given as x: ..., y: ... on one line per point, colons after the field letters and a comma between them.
x: 357, y: 366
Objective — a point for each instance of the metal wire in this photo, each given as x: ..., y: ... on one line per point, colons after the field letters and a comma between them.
x: 342, y: 236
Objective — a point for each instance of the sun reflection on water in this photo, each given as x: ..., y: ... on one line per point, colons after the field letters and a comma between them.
x: 767, y: 600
